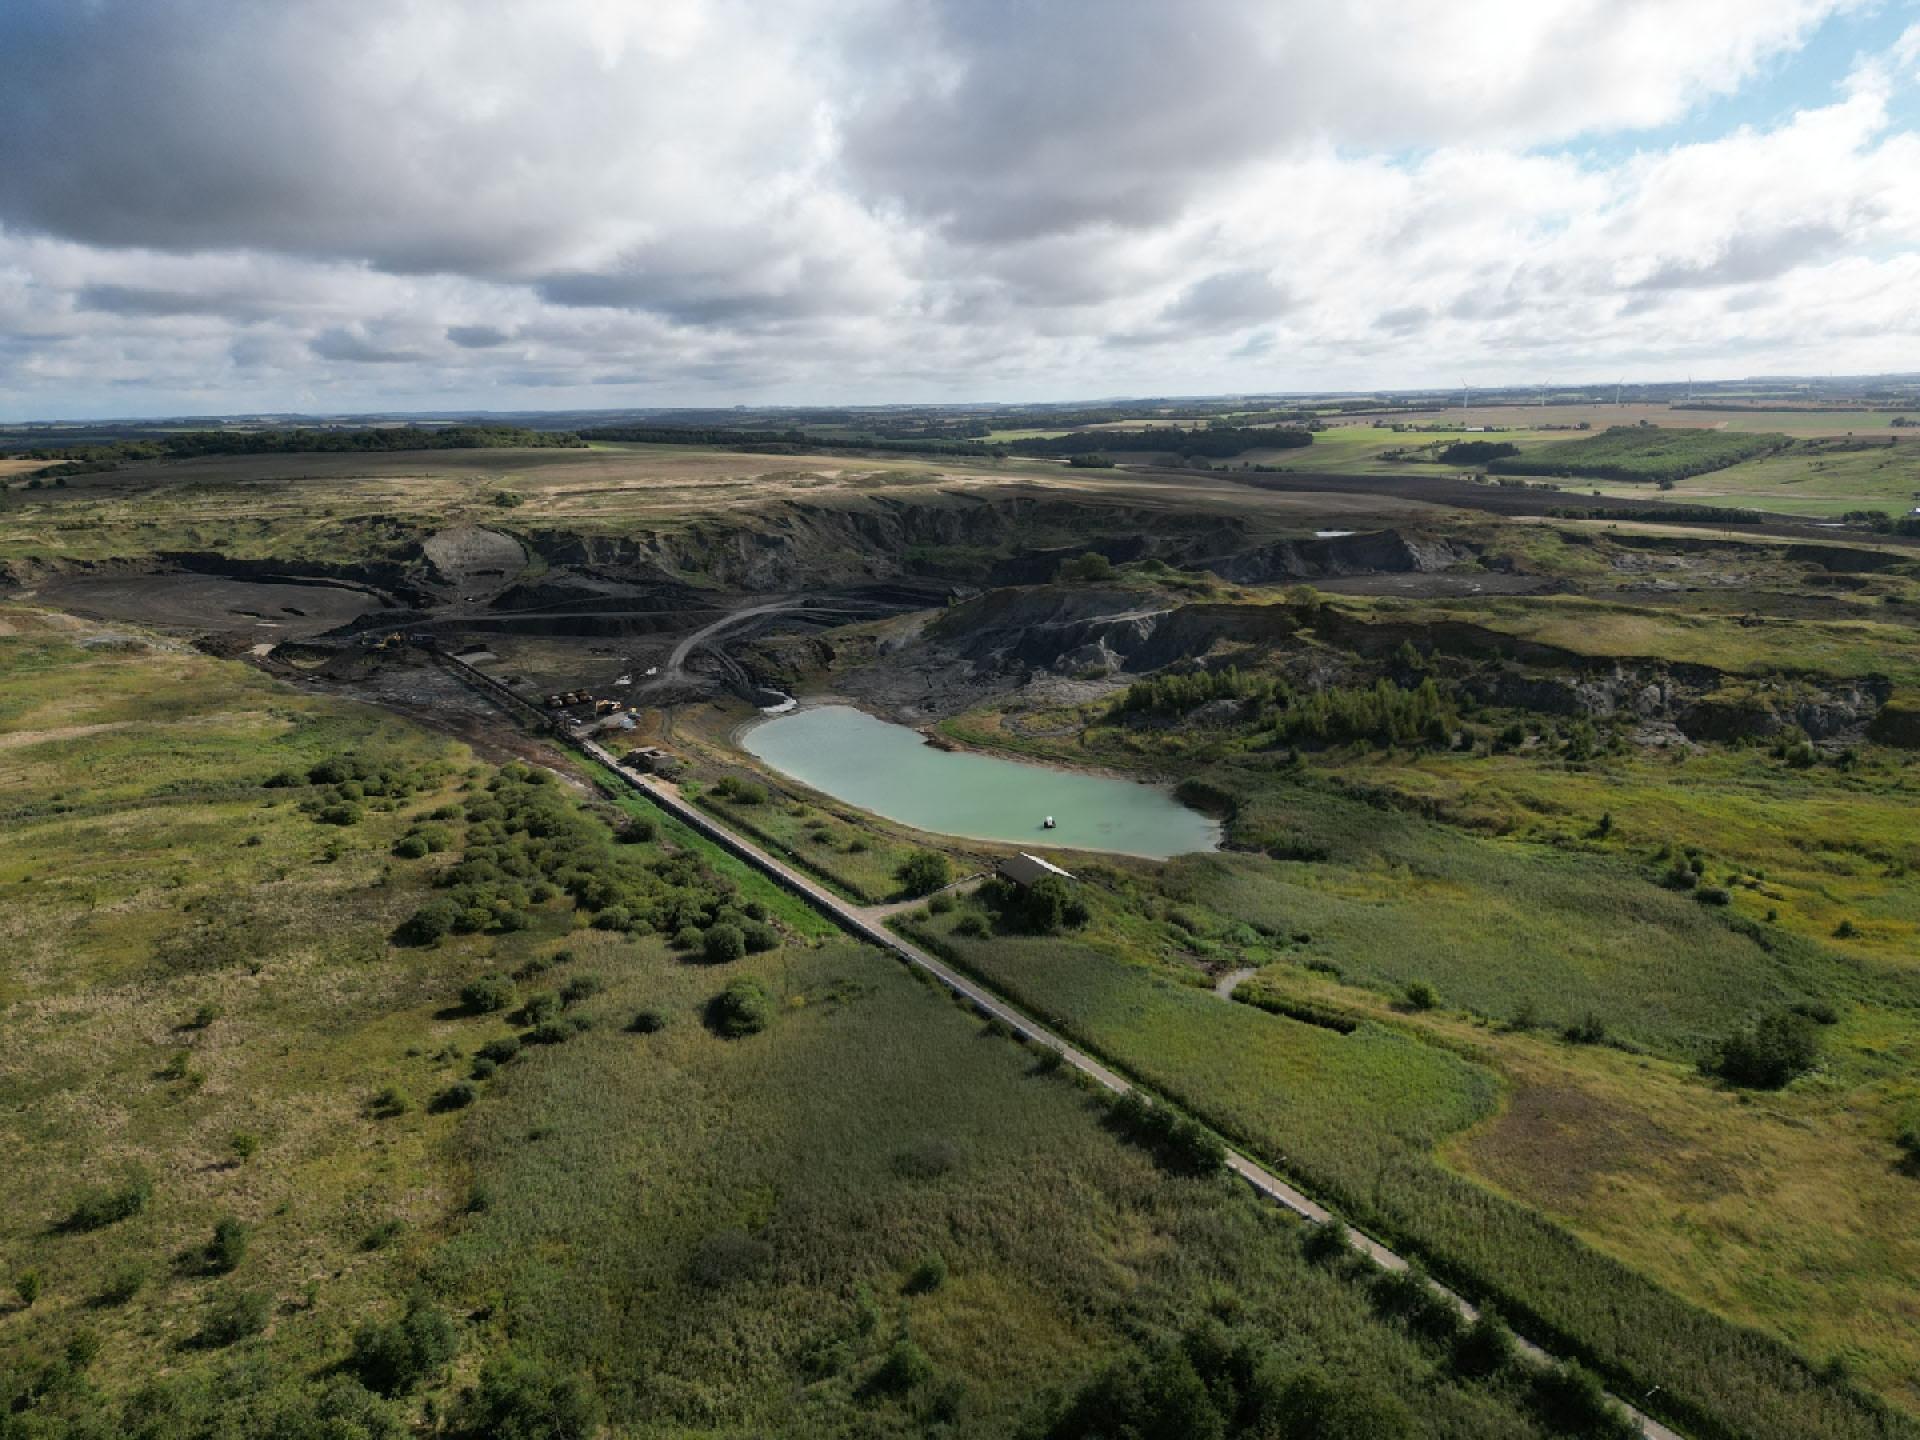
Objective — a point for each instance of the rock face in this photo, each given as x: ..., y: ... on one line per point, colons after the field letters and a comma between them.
x: 1381, y: 552
x: 467, y: 556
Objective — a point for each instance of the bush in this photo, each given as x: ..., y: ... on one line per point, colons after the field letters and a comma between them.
x: 244, y: 1145
x: 1590, y: 1029
x: 1313, y: 1405
x: 1767, y: 1052
x: 1178, y: 1143
x: 501, y: 1050
x: 340, y: 814
x: 1483, y: 1348
x: 123, y: 1284
x: 1713, y: 895
x: 233, y: 1316
x: 227, y: 1248
x: 1420, y: 995
x: 521, y: 1399
x: 581, y: 987
x: 743, y: 1008
x: 28, y: 1286
x: 723, y: 943
x: 488, y: 994
x: 1092, y: 567
x: 1407, y: 1296
x: 741, y: 792
x: 971, y: 926
x: 928, y: 1276
x: 483, y: 1069
x: 427, y: 925
x: 648, y: 1022
x: 410, y: 847
x: 760, y: 937
x: 637, y: 830
x: 456, y: 1096
x: 923, y: 872
x: 387, y: 1103
x: 1570, y: 1401
x: 391, y: 1359
x: 905, y: 1366
x: 688, y: 937
x: 540, y: 1008
x: 551, y: 1032
x: 1326, y: 1242
x: 97, y: 1209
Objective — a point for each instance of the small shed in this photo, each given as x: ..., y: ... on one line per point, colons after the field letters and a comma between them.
x: 1023, y: 869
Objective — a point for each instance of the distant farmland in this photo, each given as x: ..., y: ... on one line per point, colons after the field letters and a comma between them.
x: 1650, y: 454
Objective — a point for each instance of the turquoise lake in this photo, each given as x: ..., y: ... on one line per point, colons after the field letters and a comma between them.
x: 892, y: 771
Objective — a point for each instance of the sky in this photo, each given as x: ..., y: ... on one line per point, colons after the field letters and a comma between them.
x: 354, y: 205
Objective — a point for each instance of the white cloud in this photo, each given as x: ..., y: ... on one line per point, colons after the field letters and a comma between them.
x: 591, y: 202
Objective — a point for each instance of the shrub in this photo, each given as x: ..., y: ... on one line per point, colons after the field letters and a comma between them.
x: 483, y: 1069
x: 927, y: 1159
x: 923, y: 872
x: 688, y: 937
x: 905, y: 1366
x: 551, y: 1032
x: 581, y: 987
x: 741, y: 792
x: 540, y: 1008
x: 410, y: 847
x: 928, y: 1276
x: 1311, y: 1404
x: 427, y: 925
x: 1590, y: 1029
x: 233, y: 1316
x: 387, y: 1103
x: 227, y: 1248
x: 340, y: 814
x: 1407, y: 1296
x: 521, y: 1399
x: 1571, y: 1401
x: 1326, y: 1242
x: 392, y: 1358
x: 456, y: 1096
x: 488, y: 994
x: 123, y: 1284
x: 648, y: 1022
x: 501, y: 1049
x: 1420, y: 995
x: 382, y: 1235
x: 1767, y: 1052
x: 97, y: 1209
x: 940, y: 904
x: 1483, y: 1348
x: 637, y: 830
x: 743, y: 1008
x: 28, y: 1286
x: 970, y: 926
x: 244, y: 1145
x: 760, y: 937
x: 1713, y: 895
x: 723, y: 943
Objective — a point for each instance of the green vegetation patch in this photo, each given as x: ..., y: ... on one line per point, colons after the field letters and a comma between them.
x: 1654, y: 454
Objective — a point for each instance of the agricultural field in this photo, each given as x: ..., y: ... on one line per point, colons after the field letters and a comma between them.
x: 1652, y: 454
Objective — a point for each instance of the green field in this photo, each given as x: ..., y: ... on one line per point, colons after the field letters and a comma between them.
x: 212, y: 1032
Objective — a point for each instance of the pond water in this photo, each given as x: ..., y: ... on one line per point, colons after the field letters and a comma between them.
x: 892, y: 771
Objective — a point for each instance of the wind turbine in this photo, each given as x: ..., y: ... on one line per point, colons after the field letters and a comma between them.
x: 1617, y: 385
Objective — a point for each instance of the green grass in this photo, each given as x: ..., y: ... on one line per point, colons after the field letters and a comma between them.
x: 1355, y: 1118
x: 718, y: 1235
x: 1649, y: 453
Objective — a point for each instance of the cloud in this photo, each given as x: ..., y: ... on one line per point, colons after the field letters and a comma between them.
x: 464, y: 201
x: 477, y: 337
x: 348, y: 347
